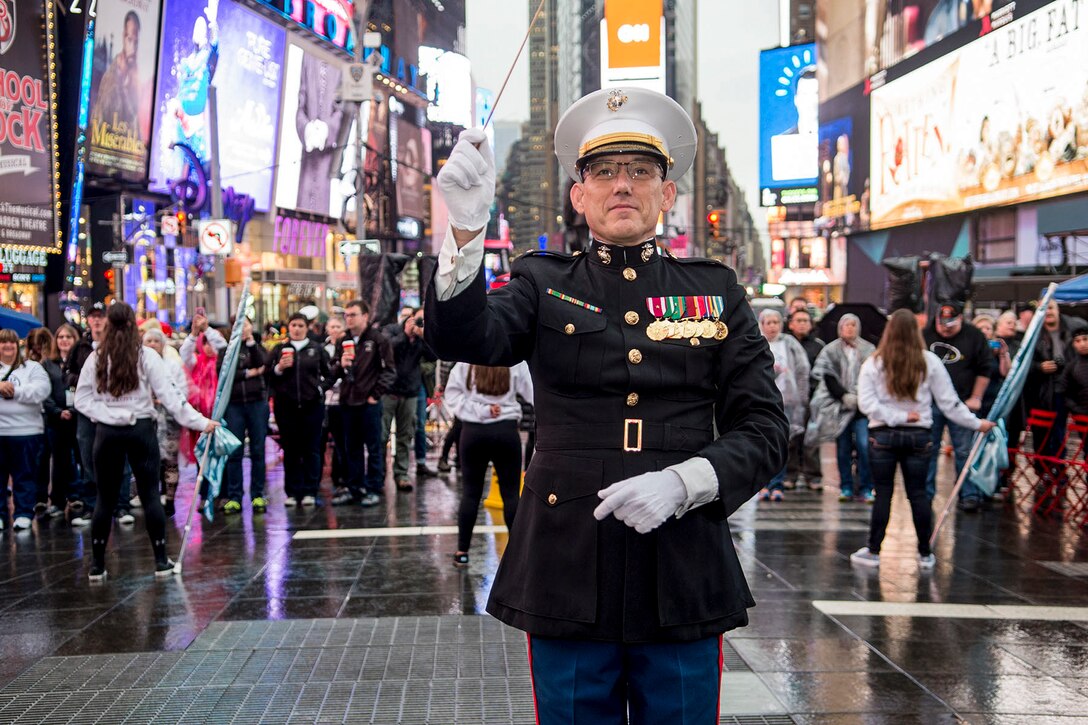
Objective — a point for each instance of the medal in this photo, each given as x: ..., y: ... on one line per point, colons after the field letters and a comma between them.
x: 721, y: 330
x: 656, y: 331
x: 707, y: 329
x: 690, y: 328
x: 672, y: 330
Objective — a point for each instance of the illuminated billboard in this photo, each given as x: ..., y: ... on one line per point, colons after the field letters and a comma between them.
x: 241, y: 54
x: 633, y: 44
x: 122, y: 88
x: 331, y: 20
x: 789, y: 110
x: 313, y: 121
x: 449, y: 85
x: 1001, y: 120
x: 28, y: 184
x: 844, y: 163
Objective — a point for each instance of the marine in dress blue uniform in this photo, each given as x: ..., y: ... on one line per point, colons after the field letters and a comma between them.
x: 657, y: 417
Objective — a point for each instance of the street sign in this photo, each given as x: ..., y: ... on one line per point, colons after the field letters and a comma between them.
x: 116, y: 257
x: 355, y: 247
x: 356, y: 79
x: 170, y: 225
x: 216, y: 236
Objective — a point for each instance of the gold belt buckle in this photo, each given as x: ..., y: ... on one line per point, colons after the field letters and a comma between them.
x: 627, y: 426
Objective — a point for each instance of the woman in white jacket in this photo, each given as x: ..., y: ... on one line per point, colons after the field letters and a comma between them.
x: 897, y: 388
x: 117, y: 388
x: 485, y: 399
x: 24, y: 384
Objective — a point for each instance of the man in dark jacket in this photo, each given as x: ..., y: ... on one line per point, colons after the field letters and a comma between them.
x: 247, y: 414
x: 966, y: 355
x: 803, y: 466
x: 1043, y: 389
x: 401, y: 399
x: 657, y: 417
x: 300, y: 371
x: 366, y: 369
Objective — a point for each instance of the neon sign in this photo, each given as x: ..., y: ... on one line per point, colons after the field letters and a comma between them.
x: 330, y: 20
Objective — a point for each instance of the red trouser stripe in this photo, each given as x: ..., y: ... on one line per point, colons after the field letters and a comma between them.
x: 532, y: 677
x: 721, y: 668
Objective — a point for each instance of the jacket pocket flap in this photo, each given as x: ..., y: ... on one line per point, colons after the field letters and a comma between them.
x: 557, y: 479
x: 570, y: 319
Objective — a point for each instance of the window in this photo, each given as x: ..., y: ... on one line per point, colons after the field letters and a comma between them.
x: 995, y: 239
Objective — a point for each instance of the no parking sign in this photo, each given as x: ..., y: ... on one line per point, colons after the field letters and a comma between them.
x: 216, y: 236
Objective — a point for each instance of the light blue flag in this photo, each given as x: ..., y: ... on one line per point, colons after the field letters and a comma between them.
x: 223, y: 442
x: 993, y: 452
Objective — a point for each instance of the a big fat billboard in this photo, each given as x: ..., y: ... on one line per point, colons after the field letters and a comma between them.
x: 241, y: 54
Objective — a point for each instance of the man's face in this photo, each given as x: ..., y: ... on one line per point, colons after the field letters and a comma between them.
x: 132, y: 42
x: 1025, y: 318
x: 1052, y: 315
x: 950, y: 330
x: 619, y: 210
x: 848, y: 330
x: 247, y: 329
x: 414, y: 325
x: 800, y: 324
x: 296, y: 330
x: 97, y: 323
x: 356, y: 320
x: 1080, y: 344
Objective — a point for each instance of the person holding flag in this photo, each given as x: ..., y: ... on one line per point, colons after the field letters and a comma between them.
x: 118, y: 396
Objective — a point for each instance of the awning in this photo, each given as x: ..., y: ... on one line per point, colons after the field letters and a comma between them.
x: 21, y: 322
x: 1073, y: 290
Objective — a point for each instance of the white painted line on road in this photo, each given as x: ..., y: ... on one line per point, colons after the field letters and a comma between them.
x: 951, y: 611
x: 313, y: 534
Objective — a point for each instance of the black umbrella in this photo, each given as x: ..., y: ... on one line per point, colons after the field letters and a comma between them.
x: 872, y: 321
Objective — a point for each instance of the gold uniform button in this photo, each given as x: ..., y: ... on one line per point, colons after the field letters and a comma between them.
x: 552, y: 498
x: 632, y: 400
x: 569, y: 329
x: 629, y: 274
x: 635, y: 356
x: 631, y: 318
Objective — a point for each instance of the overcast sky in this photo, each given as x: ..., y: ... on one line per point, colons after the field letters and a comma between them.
x: 731, y: 34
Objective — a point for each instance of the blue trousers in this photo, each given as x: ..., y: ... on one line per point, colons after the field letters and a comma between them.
x: 578, y: 682
x: 364, y: 452
x: 19, y: 460
x: 421, y: 426
x: 252, y: 418
x: 961, y: 445
x: 855, y: 437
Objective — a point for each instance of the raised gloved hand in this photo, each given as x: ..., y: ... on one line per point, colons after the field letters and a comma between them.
x: 467, y: 181
x: 643, y: 502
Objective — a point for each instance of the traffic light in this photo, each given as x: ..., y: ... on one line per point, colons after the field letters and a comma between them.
x: 111, y: 282
x: 713, y: 219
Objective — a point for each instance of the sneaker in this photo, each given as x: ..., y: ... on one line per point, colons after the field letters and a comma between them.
x: 164, y: 569
x: 789, y: 485
x: 134, y: 502
x: 444, y: 466
x: 764, y: 495
x: 21, y: 523
x: 290, y: 502
x: 75, y: 506
x: 370, y: 499
x: 864, y: 557
x: 970, y: 505
x: 232, y: 507
x: 341, y: 497
x: 81, y: 520
x: 814, y: 485
x: 927, y: 562
x: 777, y: 496
x: 40, y: 508
x: 846, y: 496
x: 259, y: 505
x: 97, y: 574
x: 868, y: 497
x: 307, y: 501
x: 403, y: 484
x: 125, y: 517
x: 422, y: 469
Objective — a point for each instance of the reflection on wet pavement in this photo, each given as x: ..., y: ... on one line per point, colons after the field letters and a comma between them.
x: 878, y: 646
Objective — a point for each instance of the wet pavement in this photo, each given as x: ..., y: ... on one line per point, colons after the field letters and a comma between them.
x: 357, y: 615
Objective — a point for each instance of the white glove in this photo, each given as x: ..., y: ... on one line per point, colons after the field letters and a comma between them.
x: 643, y: 502
x: 467, y: 181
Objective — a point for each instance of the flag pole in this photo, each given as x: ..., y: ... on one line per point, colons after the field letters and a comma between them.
x: 1041, y: 310
x: 192, y: 507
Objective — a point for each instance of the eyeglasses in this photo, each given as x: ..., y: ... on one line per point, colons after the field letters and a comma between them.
x: 637, y: 171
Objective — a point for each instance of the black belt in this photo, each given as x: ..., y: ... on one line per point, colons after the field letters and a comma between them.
x: 631, y: 435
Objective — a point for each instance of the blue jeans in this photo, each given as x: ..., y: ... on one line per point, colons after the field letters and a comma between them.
x: 909, y: 448
x: 364, y: 452
x: 855, y: 437
x: 240, y: 418
x: 421, y: 426
x: 961, y: 445
x: 19, y: 461
x: 777, y: 483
